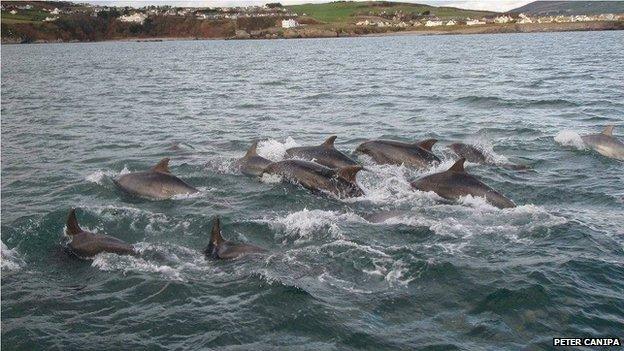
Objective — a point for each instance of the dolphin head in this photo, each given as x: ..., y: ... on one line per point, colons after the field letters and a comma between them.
x: 365, y: 147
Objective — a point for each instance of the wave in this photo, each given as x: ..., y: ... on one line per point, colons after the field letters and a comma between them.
x: 486, y: 147
x: 305, y: 225
x: 570, y: 138
x: 494, y: 101
x: 171, y: 262
x: 11, y: 259
x: 476, y: 219
x: 99, y: 176
x: 275, y: 150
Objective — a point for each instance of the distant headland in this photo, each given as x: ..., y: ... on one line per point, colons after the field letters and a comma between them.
x: 45, y: 22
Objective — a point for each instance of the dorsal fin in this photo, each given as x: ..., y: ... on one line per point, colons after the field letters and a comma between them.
x: 252, y: 150
x: 329, y: 143
x: 162, y: 166
x: 348, y: 173
x: 427, y: 144
x: 458, y: 166
x: 608, y: 130
x: 72, y: 223
x: 215, y: 236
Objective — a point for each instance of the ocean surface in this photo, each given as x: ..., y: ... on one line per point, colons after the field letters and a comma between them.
x: 393, y: 269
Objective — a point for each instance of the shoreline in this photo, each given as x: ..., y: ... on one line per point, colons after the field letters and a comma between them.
x: 324, y: 32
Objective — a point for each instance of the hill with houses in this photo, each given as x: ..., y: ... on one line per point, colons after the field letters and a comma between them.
x: 62, y: 21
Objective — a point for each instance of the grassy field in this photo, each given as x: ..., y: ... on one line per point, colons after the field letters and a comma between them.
x: 24, y: 16
x: 345, y: 11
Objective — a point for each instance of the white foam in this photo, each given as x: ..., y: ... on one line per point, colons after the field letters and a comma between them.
x: 98, y: 176
x: 10, y: 258
x: 398, y: 274
x: 112, y: 262
x: 480, y: 218
x: 486, y: 147
x: 222, y: 165
x: 202, y: 192
x: 479, y: 203
x: 271, y: 178
x: 389, y: 185
x: 307, y: 224
x: 172, y: 262
x: 570, y: 138
x: 275, y: 150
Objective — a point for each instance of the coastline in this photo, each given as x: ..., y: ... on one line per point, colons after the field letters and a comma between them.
x: 353, y: 31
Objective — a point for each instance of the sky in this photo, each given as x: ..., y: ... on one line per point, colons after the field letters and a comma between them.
x: 492, y: 5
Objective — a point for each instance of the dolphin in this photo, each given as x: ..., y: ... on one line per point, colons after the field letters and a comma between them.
x: 251, y: 164
x: 85, y: 244
x: 158, y: 183
x: 340, y: 182
x: 324, y: 154
x: 417, y: 155
x: 474, y: 155
x: 219, y: 248
x: 605, y: 144
x: 455, y: 183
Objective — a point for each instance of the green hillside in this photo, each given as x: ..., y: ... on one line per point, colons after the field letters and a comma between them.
x: 571, y: 7
x: 342, y: 11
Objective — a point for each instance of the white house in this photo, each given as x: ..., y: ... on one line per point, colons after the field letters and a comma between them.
x: 522, y: 18
x: 433, y: 23
x: 503, y: 19
x: 56, y: 11
x: 50, y: 19
x: 13, y: 12
x: 474, y: 22
x: 289, y: 23
x: 136, y: 17
x: 451, y: 23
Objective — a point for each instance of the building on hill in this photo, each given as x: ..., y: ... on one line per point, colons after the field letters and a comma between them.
x: 431, y: 23
x: 503, y: 19
x: 522, y: 18
x: 474, y: 22
x: 136, y: 17
x: 289, y: 23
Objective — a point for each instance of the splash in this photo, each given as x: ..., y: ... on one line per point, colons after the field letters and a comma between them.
x: 271, y: 178
x: 171, y: 262
x: 202, y: 192
x: 11, y: 260
x: 486, y: 147
x: 466, y: 222
x: 274, y: 150
x: 307, y: 224
x: 570, y: 138
x: 99, y: 176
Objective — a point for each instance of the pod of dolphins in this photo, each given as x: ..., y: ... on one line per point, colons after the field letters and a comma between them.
x: 322, y: 169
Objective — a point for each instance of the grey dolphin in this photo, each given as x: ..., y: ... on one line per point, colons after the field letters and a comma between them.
x: 157, y: 183
x: 469, y: 152
x: 605, y: 144
x: 455, y: 183
x: 251, y: 164
x: 219, y: 248
x: 86, y: 245
x: 340, y: 182
x: 324, y: 154
x: 417, y: 155
x: 474, y: 155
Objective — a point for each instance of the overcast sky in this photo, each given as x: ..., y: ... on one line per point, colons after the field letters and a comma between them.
x: 493, y: 5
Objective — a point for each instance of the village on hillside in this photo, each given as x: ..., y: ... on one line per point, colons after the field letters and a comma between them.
x: 264, y: 21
